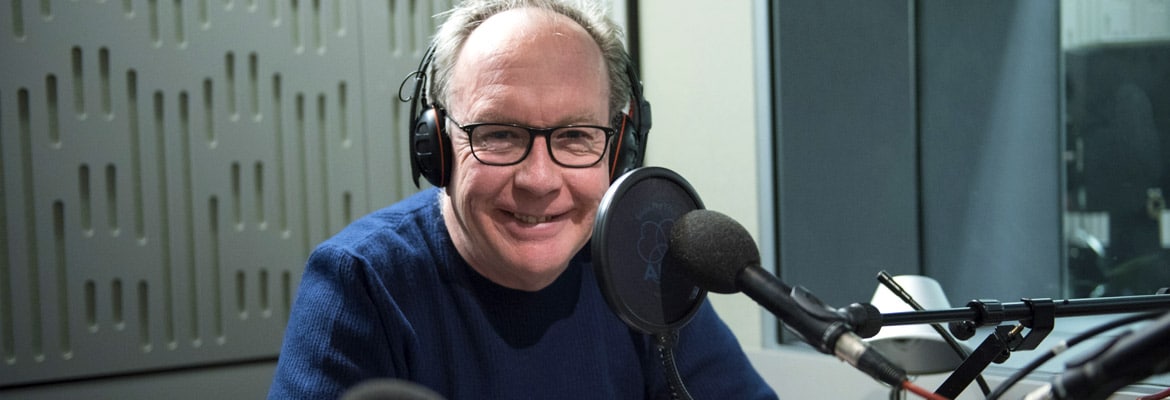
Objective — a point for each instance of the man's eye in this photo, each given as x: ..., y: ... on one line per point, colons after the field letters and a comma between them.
x: 498, y: 134
x: 579, y: 135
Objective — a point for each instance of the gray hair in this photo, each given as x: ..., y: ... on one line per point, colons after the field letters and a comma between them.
x: 467, y: 16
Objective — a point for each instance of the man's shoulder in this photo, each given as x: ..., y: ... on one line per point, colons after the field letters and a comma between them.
x: 410, y: 224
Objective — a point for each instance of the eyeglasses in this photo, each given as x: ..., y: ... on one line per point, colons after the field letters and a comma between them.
x: 573, y: 146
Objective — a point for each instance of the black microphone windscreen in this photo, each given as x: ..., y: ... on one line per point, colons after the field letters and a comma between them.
x: 390, y: 389
x: 713, y: 248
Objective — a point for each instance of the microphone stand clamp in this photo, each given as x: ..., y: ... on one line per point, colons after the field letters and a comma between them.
x: 998, y: 346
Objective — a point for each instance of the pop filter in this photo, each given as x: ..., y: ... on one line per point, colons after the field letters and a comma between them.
x: 641, y: 282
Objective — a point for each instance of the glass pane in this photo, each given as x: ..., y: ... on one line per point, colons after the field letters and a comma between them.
x: 1117, y: 145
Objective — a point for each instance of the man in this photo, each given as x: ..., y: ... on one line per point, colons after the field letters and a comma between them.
x: 484, y: 288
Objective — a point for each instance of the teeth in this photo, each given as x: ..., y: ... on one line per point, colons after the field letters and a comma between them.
x: 530, y: 219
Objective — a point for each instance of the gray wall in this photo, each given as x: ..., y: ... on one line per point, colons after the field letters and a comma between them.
x: 989, y: 120
x: 846, y: 164
x: 168, y: 165
x: 923, y: 138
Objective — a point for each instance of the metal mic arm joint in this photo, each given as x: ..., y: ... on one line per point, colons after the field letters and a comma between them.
x: 998, y: 346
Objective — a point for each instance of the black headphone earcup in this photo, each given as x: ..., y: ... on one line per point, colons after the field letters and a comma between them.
x: 430, y: 149
x: 626, y: 153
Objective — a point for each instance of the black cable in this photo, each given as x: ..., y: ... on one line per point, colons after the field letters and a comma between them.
x: 887, y: 280
x: 1066, y: 344
x: 678, y: 390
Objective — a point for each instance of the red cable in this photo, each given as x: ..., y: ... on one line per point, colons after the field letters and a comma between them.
x: 1156, y: 396
x: 918, y: 390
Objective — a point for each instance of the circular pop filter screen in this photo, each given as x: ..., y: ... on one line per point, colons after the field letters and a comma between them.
x: 643, y: 285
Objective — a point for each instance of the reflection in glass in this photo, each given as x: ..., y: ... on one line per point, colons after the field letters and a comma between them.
x: 1117, y: 145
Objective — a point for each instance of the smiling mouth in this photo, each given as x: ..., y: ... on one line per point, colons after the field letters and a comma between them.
x: 531, y: 219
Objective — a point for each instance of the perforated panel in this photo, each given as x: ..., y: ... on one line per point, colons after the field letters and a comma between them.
x: 169, y: 164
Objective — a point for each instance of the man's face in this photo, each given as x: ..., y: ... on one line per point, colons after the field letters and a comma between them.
x: 519, y: 225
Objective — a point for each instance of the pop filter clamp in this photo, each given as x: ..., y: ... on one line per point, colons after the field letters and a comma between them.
x: 640, y: 281
x: 1036, y: 318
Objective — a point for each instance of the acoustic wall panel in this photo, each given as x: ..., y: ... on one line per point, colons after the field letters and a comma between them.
x: 169, y: 164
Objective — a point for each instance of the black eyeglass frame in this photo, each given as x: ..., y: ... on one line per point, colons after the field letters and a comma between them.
x: 532, y: 134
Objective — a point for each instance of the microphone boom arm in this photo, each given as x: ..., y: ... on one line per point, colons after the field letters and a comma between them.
x: 1036, y: 314
x: 985, y: 313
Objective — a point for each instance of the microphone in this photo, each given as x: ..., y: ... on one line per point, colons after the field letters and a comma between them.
x: 1127, y: 359
x: 720, y: 255
x: 390, y: 389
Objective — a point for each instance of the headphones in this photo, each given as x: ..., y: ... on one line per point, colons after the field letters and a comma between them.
x: 430, y: 145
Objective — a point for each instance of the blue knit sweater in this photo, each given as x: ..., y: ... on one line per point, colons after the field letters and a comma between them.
x: 389, y: 297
